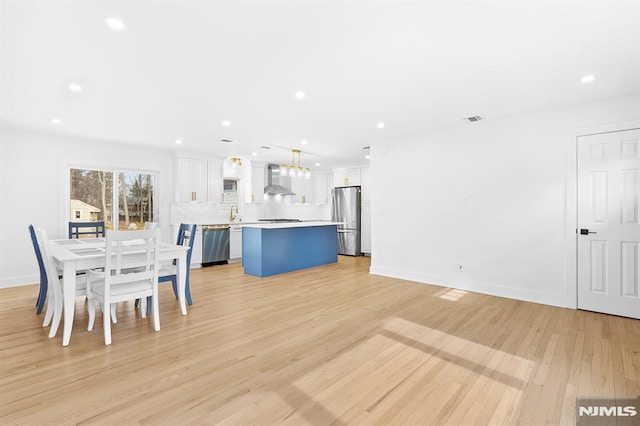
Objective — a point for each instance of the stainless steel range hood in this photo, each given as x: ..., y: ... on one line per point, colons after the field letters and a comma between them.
x: 277, y: 184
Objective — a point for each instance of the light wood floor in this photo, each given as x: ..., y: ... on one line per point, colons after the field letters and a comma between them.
x: 329, y: 345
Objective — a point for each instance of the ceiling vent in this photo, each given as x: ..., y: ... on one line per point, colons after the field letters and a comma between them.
x: 473, y: 119
x: 227, y: 141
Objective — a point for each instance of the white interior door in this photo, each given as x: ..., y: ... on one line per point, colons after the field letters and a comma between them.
x: 609, y: 223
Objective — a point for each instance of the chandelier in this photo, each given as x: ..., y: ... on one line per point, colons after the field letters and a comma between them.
x: 236, y: 164
x: 294, y: 170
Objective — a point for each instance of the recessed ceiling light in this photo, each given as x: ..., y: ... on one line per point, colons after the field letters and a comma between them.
x: 179, y: 141
x: 317, y: 164
x: 254, y: 153
x: 114, y: 23
x: 304, y: 142
x: 589, y: 78
x: 226, y: 123
x: 380, y: 125
x: 367, y: 156
x: 56, y: 121
x: 75, y: 87
x: 300, y: 94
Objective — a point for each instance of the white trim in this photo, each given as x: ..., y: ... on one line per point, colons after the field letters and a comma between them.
x: 20, y: 281
x: 572, y: 200
x: 473, y: 286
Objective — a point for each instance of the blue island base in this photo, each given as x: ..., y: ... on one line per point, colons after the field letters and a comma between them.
x: 271, y: 251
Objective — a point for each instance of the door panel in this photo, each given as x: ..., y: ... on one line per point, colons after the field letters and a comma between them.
x: 609, y: 208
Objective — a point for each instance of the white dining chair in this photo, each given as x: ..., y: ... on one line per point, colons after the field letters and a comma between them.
x: 130, y: 273
x: 53, y: 313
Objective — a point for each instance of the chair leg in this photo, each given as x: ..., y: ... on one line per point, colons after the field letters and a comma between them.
x: 42, y: 295
x: 113, y: 313
x: 106, y: 319
x: 57, y: 315
x: 48, y: 314
x: 187, y: 290
x: 156, y: 313
x: 149, y: 303
x: 91, y: 307
x: 174, y: 284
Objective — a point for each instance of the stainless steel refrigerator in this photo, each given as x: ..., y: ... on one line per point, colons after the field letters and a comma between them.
x: 345, y: 208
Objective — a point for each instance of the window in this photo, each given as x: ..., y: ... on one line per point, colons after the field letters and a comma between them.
x: 96, y: 194
x: 230, y: 195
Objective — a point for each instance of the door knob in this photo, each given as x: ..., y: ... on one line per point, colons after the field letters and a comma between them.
x: 586, y: 232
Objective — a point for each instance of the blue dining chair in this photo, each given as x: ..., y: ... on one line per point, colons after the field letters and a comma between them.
x: 42, y: 292
x: 95, y: 229
x: 186, y: 236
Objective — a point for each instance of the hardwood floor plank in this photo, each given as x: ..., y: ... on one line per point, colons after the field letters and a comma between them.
x: 327, y: 345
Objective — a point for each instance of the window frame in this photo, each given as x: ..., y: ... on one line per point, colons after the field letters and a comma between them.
x: 65, y: 182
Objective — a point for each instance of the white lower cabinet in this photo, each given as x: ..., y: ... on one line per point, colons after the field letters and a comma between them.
x: 235, y: 243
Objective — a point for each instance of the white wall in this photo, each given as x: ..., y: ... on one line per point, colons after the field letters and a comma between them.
x: 33, y: 182
x: 493, y: 196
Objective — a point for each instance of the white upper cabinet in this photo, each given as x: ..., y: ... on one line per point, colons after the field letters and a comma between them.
x: 198, y: 180
x: 215, y: 186
x: 346, y: 177
x: 192, y: 180
x: 254, y: 183
x: 304, y: 190
x: 322, y: 188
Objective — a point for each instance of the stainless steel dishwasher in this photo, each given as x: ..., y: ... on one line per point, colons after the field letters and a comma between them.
x: 215, y: 244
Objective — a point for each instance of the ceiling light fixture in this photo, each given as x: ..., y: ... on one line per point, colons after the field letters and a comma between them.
x: 115, y: 23
x: 226, y: 123
x: 304, y: 142
x: 236, y: 164
x: 75, y: 87
x: 293, y: 170
x: 587, y: 79
x: 380, y: 125
x: 56, y: 121
x: 300, y: 94
x: 178, y: 142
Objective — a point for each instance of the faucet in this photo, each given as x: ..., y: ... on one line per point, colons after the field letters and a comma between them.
x: 231, y: 216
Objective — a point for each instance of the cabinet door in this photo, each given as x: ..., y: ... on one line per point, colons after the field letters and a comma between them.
x: 215, y: 189
x: 346, y: 177
x: 340, y: 178
x: 184, y: 181
x: 256, y: 195
x: 200, y: 180
x: 365, y: 224
x: 353, y: 176
x: 303, y: 189
x: 235, y: 242
x: 321, y: 188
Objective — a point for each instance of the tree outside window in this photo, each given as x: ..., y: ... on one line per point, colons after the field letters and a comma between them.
x: 92, y: 198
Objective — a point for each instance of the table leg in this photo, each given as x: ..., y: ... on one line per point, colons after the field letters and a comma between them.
x: 182, y: 281
x: 69, y: 294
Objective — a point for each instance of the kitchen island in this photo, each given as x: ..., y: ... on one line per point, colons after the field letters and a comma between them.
x: 276, y: 248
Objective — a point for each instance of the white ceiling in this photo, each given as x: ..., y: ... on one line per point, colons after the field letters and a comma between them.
x: 180, y: 68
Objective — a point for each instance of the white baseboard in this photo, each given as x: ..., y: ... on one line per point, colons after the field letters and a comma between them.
x: 20, y: 281
x: 475, y: 286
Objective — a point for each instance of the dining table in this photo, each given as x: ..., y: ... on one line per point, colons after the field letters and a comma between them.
x: 77, y: 255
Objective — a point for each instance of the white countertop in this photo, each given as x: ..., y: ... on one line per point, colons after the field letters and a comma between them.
x: 287, y: 224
